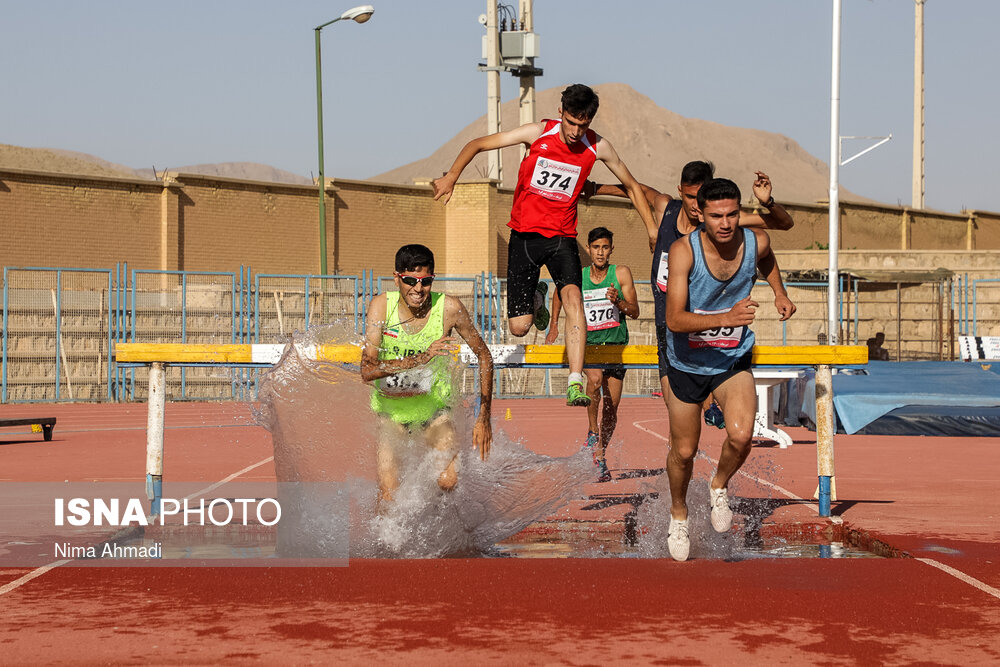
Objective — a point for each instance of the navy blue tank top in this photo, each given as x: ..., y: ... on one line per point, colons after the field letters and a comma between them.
x: 666, y: 235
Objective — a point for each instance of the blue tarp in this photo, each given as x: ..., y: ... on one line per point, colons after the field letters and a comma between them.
x: 862, y: 399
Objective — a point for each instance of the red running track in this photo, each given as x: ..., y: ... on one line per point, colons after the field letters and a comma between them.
x: 934, y: 498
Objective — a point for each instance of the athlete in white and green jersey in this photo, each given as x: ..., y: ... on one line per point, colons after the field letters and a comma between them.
x: 407, y: 344
x: 608, y: 297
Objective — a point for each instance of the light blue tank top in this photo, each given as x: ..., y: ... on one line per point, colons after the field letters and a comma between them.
x: 716, y: 350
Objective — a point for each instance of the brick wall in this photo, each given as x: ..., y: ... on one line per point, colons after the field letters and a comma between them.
x: 70, y: 221
x: 197, y: 222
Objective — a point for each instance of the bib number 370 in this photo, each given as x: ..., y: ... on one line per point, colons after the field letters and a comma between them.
x: 598, y: 310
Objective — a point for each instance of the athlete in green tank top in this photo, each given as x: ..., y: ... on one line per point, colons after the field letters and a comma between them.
x: 408, y: 343
x: 605, y: 321
x: 412, y: 396
x: 608, y: 296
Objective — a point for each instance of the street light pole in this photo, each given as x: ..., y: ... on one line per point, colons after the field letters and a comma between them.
x: 358, y: 15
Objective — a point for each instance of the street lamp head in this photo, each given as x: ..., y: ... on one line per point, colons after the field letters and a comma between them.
x: 358, y: 14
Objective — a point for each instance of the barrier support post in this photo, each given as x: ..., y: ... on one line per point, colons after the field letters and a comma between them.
x: 154, y: 435
x: 825, y: 425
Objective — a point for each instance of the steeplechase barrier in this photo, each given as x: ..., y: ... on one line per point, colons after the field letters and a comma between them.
x: 159, y: 355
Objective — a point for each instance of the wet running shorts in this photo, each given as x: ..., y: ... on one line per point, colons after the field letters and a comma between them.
x: 694, y: 388
x: 527, y: 253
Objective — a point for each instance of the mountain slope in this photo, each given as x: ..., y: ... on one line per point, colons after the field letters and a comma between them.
x: 655, y: 143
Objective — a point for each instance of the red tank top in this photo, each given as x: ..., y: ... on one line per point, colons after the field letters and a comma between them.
x: 549, y: 182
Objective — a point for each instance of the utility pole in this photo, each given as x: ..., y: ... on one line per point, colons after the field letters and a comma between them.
x: 510, y: 50
x: 833, y: 274
x: 495, y: 165
x: 527, y: 81
x: 918, y: 106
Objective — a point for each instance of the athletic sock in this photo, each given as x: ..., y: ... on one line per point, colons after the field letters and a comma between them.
x: 576, y: 378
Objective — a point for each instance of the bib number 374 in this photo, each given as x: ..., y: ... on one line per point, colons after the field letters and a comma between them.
x: 554, y: 180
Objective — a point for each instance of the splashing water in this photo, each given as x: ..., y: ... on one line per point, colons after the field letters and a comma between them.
x: 324, y: 435
x: 653, y: 516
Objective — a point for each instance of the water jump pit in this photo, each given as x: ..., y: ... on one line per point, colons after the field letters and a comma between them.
x: 750, y: 538
x: 518, y: 503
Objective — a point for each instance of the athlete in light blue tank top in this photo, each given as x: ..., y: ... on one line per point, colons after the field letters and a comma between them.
x: 717, y: 360
x: 714, y: 350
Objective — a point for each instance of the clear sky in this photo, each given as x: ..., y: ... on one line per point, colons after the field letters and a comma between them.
x: 185, y: 82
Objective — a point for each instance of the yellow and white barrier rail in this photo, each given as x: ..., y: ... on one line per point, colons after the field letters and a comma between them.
x: 160, y: 355
x: 503, y: 355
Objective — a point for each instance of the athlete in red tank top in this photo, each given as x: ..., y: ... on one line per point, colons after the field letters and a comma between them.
x: 543, y: 219
x: 549, y: 182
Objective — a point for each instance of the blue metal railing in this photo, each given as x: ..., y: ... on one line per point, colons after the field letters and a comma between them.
x: 124, y: 310
x: 975, y: 302
x: 57, y: 312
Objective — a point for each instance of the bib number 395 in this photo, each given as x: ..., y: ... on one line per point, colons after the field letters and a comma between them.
x: 722, y: 337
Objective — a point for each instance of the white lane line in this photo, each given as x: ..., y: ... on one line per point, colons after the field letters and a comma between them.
x: 7, y: 588
x: 37, y: 572
x: 135, y: 428
x: 958, y: 574
x: 780, y: 489
x: 962, y: 576
x: 213, y: 487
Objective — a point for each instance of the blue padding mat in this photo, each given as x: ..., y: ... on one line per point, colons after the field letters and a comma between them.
x: 862, y: 399
x: 937, y: 420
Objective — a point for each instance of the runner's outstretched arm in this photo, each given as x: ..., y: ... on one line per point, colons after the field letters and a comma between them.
x: 607, y: 154
x: 776, y: 217
x: 767, y: 264
x: 482, y: 432
x: 525, y: 134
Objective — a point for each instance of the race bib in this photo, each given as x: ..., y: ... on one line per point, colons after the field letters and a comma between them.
x: 724, y: 337
x: 554, y: 180
x: 661, y: 272
x: 598, y: 310
x: 407, y: 383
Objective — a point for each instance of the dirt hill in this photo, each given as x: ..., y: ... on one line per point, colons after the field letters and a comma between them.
x: 655, y: 143
x: 72, y: 162
x: 65, y: 162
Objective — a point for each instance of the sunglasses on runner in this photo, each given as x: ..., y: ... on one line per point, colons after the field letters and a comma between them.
x: 425, y: 281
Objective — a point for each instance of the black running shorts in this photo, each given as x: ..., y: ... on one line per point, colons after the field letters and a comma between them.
x: 694, y: 388
x: 527, y: 253
x: 617, y: 371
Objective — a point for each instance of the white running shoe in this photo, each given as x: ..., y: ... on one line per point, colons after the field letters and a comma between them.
x: 722, y: 516
x: 677, y: 539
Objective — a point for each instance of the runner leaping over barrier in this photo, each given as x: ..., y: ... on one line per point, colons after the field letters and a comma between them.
x: 159, y: 355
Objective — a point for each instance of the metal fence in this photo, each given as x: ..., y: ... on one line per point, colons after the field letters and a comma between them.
x: 57, y: 325
x: 60, y: 324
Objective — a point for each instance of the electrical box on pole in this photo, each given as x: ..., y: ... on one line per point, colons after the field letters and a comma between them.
x: 507, y: 49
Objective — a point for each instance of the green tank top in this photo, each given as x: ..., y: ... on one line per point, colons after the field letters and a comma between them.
x: 605, y: 323
x: 416, y: 394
